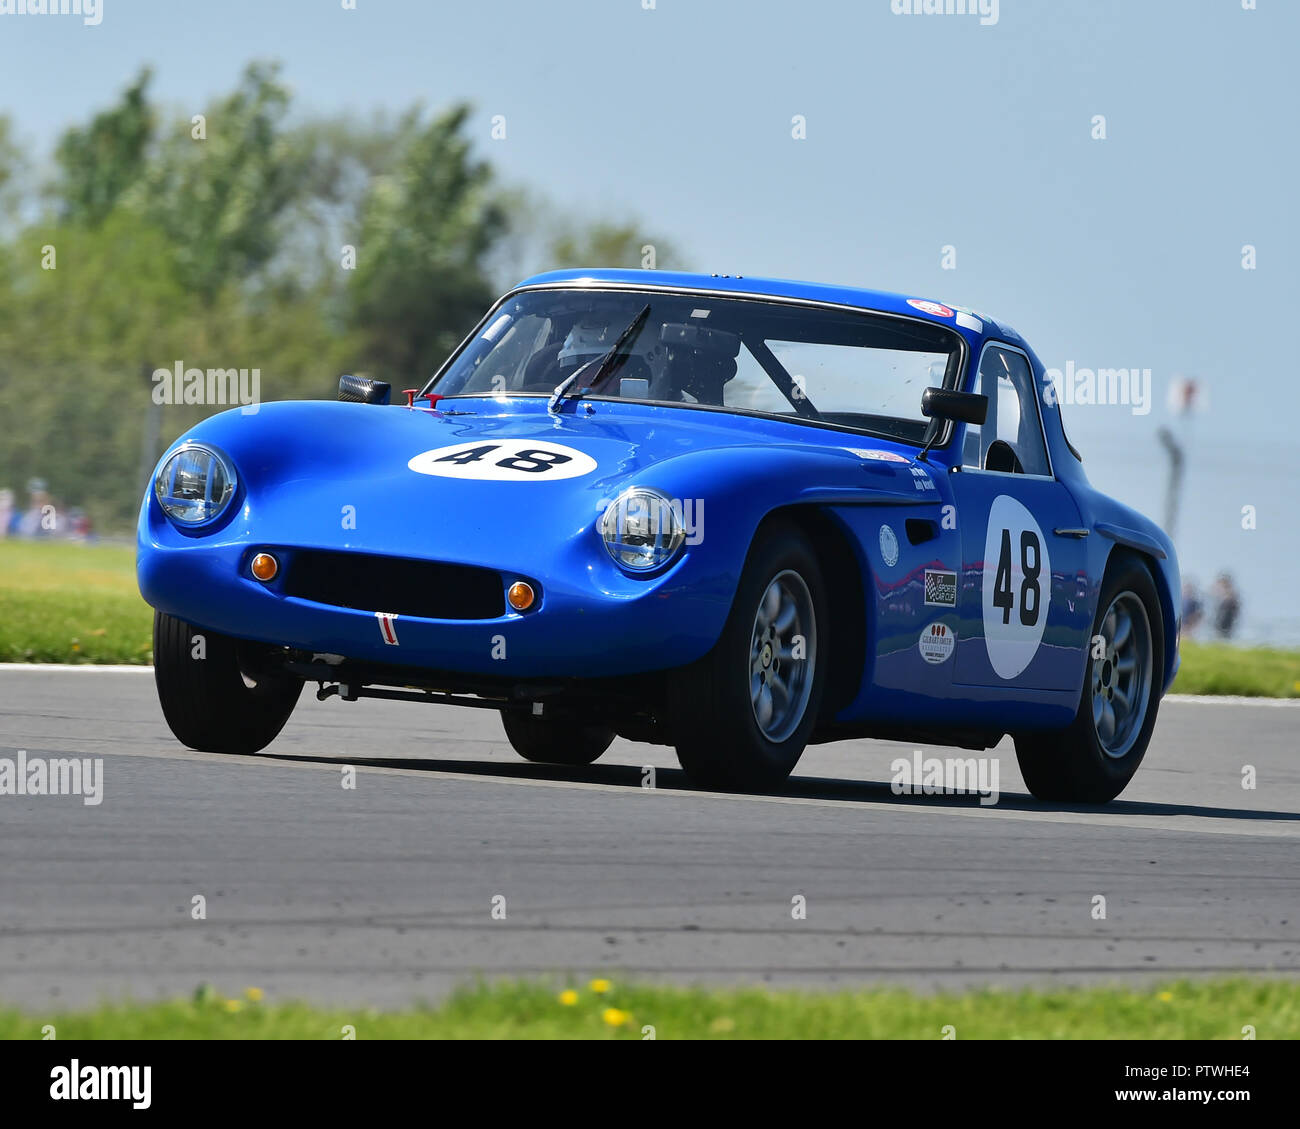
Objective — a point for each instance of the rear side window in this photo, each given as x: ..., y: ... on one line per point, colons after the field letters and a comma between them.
x: 1011, y: 438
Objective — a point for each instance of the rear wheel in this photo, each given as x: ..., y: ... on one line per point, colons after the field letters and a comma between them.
x: 741, y: 716
x: 217, y: 693
x: 555, y: 742
x: 1093, y: 760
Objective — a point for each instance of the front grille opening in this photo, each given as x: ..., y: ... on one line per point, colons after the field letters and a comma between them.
x: 366, y: 582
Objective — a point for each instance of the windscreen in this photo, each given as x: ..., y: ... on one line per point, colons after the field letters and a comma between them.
x: 837, y: 367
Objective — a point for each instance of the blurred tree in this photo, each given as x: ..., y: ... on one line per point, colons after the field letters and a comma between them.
x: 99, y: 163
x: 12, y: 166
x: 605, y: 244
x: 343, y: 155
x: 222, y: 188
x: 426, y: 226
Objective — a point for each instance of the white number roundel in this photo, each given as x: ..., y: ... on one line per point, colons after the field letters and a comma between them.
x: 1017, y: 586
x: 504, y: 460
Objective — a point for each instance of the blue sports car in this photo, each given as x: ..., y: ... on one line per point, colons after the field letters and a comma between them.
x: 731, y: 515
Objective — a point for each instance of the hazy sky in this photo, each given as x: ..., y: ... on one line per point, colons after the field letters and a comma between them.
x: 922, y: 132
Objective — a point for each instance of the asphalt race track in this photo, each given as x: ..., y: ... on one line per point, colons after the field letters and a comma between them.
x: 383, y: 894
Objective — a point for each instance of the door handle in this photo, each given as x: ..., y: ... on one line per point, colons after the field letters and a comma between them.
x: 1080, y: 533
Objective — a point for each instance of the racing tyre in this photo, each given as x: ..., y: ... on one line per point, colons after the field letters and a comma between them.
x: 742, y: 715
x: 215, y: 693
x: 555, y: 742
x: 1093, y: 760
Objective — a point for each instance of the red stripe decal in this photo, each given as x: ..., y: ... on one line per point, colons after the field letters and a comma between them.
x: 388, y: 627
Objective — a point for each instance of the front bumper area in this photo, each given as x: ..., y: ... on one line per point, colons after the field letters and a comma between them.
x: 591, y: 627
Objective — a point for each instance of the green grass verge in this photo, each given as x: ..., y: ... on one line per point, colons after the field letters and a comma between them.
x: 537, y: 1010
x: 1255, y: 672
x: 63, y: 602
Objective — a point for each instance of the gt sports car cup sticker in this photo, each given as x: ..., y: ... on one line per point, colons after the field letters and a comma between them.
x: 937, y: 642
x: 888, y: 545
x: 1017, y: 586
x: 937, y: 308
x: 940, y: 588
x: 877, y: 456
x: 504, y: 460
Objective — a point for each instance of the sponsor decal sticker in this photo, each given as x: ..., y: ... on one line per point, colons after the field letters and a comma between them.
x: 877, y: 456
x: 888, y: 545
x: 504, y: 460
x: 388, y: 627
x: 940, y: 588
x: 938, y: 309
x: 937, y: 642
x: 921, y: 479
x: 971, y: 319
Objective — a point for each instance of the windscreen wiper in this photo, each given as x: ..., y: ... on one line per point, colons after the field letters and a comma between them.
x: 602, y: 366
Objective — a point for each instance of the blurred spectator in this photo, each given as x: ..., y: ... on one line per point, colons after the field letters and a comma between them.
x: 1193, y: 607
x: 44, y: 517
x: 78, y: 524
x: 41, y: 519
x: 1227, y: 606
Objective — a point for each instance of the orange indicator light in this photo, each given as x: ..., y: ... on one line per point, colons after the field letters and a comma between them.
x: 520, y: 596
x: 264, y: 567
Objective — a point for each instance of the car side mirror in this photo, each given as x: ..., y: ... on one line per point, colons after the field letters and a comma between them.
x: 965, y: 407
x: 363, y: 390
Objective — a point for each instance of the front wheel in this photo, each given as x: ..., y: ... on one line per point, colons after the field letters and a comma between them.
x: 741, y: 716
x: 1093, y: 760
x: 216, y: 692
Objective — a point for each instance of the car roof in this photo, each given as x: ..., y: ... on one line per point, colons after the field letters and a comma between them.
x: 975, y: 325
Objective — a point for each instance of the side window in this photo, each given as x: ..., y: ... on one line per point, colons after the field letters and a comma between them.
x: 1011, y: 439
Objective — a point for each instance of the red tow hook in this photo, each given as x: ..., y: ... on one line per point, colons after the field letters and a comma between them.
x: 433, y: 398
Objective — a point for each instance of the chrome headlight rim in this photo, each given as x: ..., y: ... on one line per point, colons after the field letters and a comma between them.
x: 228, y: 469
x: 609, y: 524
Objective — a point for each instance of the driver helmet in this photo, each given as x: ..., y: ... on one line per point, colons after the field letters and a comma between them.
x: 587, y: 339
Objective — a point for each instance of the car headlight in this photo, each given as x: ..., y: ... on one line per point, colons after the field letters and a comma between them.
x: 642, y: 529
x: 194, y: 484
